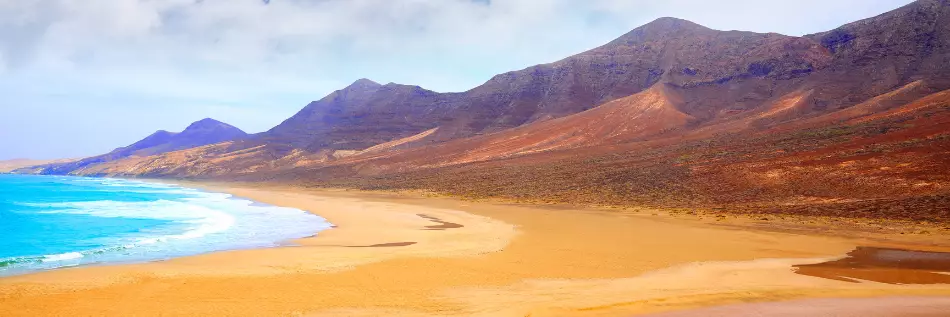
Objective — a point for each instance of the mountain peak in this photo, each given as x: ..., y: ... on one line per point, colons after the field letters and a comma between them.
x: 202, y: 132
x: 206, y: 123
x: 212, y: 127
x: 363, y: 83
x: 669, y: 20
x: 671, y: 24
x: 661, y: 29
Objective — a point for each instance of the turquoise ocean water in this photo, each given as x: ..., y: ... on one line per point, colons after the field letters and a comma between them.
x: 49, y: 222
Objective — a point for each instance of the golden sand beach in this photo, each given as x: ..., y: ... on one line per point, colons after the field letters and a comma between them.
x: 408, y: 255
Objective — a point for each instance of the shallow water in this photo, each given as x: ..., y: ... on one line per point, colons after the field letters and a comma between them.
x: 54, y: 221
x: 893, y: 266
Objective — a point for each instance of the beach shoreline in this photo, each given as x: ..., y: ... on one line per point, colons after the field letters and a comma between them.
x: 410, y: 255
x: 55, y: 222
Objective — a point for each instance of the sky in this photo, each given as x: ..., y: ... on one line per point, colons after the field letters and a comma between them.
x: 81, y: 77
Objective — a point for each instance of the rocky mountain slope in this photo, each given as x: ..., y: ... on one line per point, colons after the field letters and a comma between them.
x: 203, y: 132
x: 676, y: 52
x: 853, y: 121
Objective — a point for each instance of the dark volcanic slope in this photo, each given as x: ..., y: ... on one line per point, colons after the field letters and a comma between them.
x: 879, y: 54
x: 202, y: 132
x: 750, y: 79
x: 676, y: 51
x: 853, y: 121
x: 717, y: 73
x: 199, y: 133
x: 360, y: 116
x: 893, y: 164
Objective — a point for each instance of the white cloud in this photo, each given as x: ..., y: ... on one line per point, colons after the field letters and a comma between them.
x: 334, y: 38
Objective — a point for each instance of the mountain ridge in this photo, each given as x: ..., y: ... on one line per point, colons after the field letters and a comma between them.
x: 202, y: 132
x: 660, y: 115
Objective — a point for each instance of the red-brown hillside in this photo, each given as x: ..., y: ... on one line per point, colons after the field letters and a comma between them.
x: 853, y: 122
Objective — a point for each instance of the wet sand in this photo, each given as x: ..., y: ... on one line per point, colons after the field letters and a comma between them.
x: 839, y: 307
x: 414, y: 256
x: 441, y: 225
x: 884, y: 265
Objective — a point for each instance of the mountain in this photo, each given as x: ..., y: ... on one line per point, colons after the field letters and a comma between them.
x: 717, y: 73
x: 199, y: 133
x: 675, y: 51
x: 360, y: 116
x: 203, y: 132
x: 853, y: 121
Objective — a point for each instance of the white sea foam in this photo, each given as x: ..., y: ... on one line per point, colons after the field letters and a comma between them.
x: 195, y: 222
x: 115, y: 182
x: 61, y: 257
x: 200, y: 220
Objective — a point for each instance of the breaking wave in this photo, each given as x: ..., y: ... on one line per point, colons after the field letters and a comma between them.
x: 181, y: 221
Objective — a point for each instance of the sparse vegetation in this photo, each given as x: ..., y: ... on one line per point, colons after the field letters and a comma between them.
x: 847, y: 171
